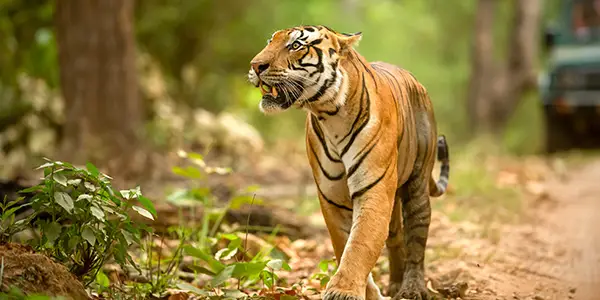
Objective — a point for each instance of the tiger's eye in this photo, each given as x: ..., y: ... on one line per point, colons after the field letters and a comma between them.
x: 296, y: 45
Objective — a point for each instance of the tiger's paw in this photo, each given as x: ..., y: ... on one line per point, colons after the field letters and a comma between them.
x: 412, y: 290
x: 334, y: 294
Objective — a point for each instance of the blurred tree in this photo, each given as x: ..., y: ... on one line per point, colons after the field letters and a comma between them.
x: 496, y: 87
x: 96, y: 49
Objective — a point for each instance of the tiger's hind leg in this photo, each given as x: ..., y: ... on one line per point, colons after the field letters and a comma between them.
x: 395, y: 245
x: 416, y: 212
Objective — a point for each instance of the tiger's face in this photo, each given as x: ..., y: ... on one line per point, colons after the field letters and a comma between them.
x: 300, y: 66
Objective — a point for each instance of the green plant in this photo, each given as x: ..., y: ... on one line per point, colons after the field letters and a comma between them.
x: 212, y: 214
x: 327, y: 268
x: 88, y: 221
x: 224, y: 265
x: 8, y: 225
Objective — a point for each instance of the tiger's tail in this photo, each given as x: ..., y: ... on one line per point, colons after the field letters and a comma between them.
x: 438, y: 188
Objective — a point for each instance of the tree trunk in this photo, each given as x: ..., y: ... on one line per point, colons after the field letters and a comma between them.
x: 98, y: 80
x: 496, y: 89
x: 520, y: 73
x: 479, y: 102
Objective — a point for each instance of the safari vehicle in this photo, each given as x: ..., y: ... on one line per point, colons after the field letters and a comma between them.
x: 570, y: 89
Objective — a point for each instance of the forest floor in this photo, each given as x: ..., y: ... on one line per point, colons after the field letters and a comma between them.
x: 546, y: 245
x: 553, y: 252
x: 519, y: 228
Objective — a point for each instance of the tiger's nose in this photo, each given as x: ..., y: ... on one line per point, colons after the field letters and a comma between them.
x: 259, y: 67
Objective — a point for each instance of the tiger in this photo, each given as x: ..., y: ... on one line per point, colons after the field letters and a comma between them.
x: 371, y: 140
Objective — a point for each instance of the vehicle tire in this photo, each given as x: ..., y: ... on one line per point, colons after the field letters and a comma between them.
x: 558, y: 134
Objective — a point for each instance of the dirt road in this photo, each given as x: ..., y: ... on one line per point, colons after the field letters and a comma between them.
x: 555, y: 254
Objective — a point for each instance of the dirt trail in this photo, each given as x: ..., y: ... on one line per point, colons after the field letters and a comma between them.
x: 556, y: 253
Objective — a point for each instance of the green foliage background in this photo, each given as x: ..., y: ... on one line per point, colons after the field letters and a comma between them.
x: 203, y: 49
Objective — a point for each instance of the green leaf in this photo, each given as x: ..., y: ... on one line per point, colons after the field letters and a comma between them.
x: 92, y: 169
x: 90, y: 187
x: 215, y: 265
x: 324, y: 265
x: 202, y: 270
x: 237, y: 201
x: 235, y: 294
x: 74, y: 182
x: 52, y: 231
x: 247, y: 269
x: 64, y: 200
x: 190, y: 288
x: 268, y: 278
x: 195, y: 156
x: 10, y: 211
x: 48, y: 164
x: 73, y: 242
x: 278, y: 264
x: 324, y: 281
x: 147, y: 204
x: 131, y: 193
x: 88, y: 235
x: 102, y: 279
x: 235, y: 243
x: 225, y: 253
x: 60, y: 178
x: 229, y: 236
x: 223, y: 276
x: 189, y: 172
x: 98, y: 213
x: 35, y: 188
x: 252, y: 188
x: 128, y: 237
x: 84, y: 196
x: 142, y: 211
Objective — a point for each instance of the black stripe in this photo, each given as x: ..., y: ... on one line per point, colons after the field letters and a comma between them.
x: 372, y: 184
x: 319, y: 133
x: 415, y: 226
x: 360, y: 108
x: 364, y: 153
x: 418, y: 208
x: 301, y: 34
x: 330, y: 201
x: 367, y: 113
x: 326, y: 85
x: 318, y: 65
x: 416, y: 239
x: 316, y: 42
x: 332, y: 51
x: 327, y: 175
x: 370, y: 73
x: 331, y: 113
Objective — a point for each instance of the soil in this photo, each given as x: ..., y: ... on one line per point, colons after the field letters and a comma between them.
x: 554, y: 253
x: 35, y: 273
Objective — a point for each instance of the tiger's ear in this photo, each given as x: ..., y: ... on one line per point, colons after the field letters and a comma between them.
x: 347, y: 41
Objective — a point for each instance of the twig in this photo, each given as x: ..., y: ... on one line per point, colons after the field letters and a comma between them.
x: 246, y: 237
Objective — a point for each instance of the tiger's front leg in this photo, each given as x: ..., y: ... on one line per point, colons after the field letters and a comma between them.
x: 372, y: 195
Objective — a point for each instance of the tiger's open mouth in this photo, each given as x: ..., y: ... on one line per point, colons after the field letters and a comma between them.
x: 266, y: 89
x: 272, y: 95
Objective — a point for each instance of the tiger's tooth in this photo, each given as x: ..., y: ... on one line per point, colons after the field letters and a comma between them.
x: 274, y: 92
x: 263, y: 89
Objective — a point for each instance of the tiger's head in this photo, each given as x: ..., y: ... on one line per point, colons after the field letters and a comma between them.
x: 299, y: 66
